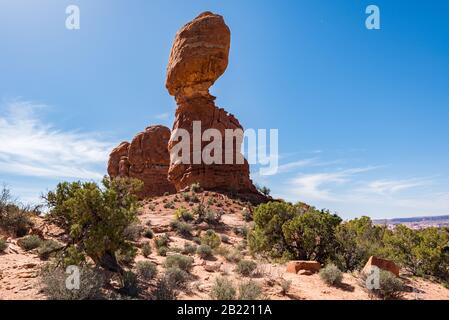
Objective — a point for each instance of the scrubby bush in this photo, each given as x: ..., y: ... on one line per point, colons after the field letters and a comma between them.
x: 211, y: 239
x: 162, y: 251
x: 223, y: 289
x: 213, y: 217
x: 189, y: 248
x: 249, y: 291
x: 177, y: 277
x: 390, y: 286
x: 48, y: 248
x: 183, y: 214
x: 146, y: 249
x: 246, y: 267
x: 182, y: 262
x: 204, y: 251
x: 285, y: 286
x: 54, y: 284
x: 195, y: 187
x: 133, y: 232
x: 164, y: 290
x: 169, y: 205
x: 197, y: 240
x: 130, y: 284
x: 234, y: 256
x: 3, y: 245
x: 146, y: 270
x: 182, y: 228
x: 29, y: 242
x: 241, y: 231
x: 96, y: 218
x: 162, y: 241
x: 247, y: 215
x: 126, y: 257
x: 148, y: 233
x: 331, y: 275
x: 264, y: 190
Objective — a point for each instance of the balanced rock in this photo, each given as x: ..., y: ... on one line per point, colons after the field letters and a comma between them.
x: 382, y: 264
x: 199, y: 56
x: 146, y: 158
x: 296, y: 266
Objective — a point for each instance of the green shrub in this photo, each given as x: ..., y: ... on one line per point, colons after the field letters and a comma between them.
x: 264, y: 190
x: 249, y: 291
x: 189, y: 248
x: 130, y: 284
x: 241, y: 231
x: 164, y: 290
x: 212, y: 217
x: 96, y: 218
x: 183, y: 214
x: 285, y: 286
x: 246, y: 267
x: 196, y: 240
x: 147, y: 270
x: 247, y: 215
x: 195, y: 187
x: 148, y: 233
x: 390, y: 287
x: 204, y: 251
x: 211, y: 239
x: 169, y: 205
x: 133, y: 232
x: 177, y: 277
x: 54, y: 284
x: 146, y: 249
x: 13, y: 219
x: 179, y: 261
x: 162, y: 241
x: 182, y: 228
x: 223, y: 289
x: 331, y: 275
x: 162, y: 251
x: 48, y: 248
x: 29, y: 242
x: 3, y: 245
x: 126, y: 257
x: 234, y: 256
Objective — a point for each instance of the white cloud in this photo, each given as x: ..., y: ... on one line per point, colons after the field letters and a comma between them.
x: 163, y: 116
x: 394, y: 186
x: 30, y: 147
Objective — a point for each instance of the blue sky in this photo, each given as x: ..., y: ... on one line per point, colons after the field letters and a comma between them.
x: 362, y: 114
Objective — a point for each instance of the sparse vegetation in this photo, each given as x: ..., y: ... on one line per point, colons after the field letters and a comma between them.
x: 184, y: 263
x: 162, y: 241
x: 211, y: 239
x: 3, y: 245
x: 390, y: 287
x: 182, y: 228
x: 247, y: 215
x: 246, y: 267
x: 331, y: 275
x: 133, y: 232
x: 48, y: 248
x: 146, y: 249
x: 164, y: 290
x: 130, y: 284
x: 195, y: 187
x: 146, y: 270
x: 162, y: 251
x: 223, y: 289
x: 29, y: 242
x: 234, y: 256
x: 14, y: 219
x: 54, y: 284
x: 148, y: 233
x: 189, y: 248
x: 204, y: 251
x: 285, y: 286
x: 183, y: 214
x: 249, y: 290
x: 176, y: 277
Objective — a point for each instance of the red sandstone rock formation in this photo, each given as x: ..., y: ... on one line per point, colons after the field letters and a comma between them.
x: 146, y: 158
x: 199, y: 56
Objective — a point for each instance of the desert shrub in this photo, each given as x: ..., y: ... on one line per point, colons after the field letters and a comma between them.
x: 177, y: 277
x: 241, y: 231
x: 213, y: 217
x: 164, y: 290
x: 130, y: 284
x: 223, y: 289
x: 126, y: 257
x: 264, y: 190
x: 211, y: 201
x: 242, y: 245
x: 3, y: 245
x: 54, y: 284
x: 211, y: 239
x: 29, y: 242
x: 14, y: 219
x: 390, y: 287
x: 148, y: 233
x: 285, y: 286
x: 162, y: 251
x: 133, y: 232
x: 182, y: 262
x: 297, y: 231
x: 195, y: 187
x: 247, y: 215
x: 189, y: 248
x: 147, y: 270
x: 186, y: 196
x: 146, y: 249
x: 197, y: 240
x: 48, y: 248
x: 96, y: 218
x: 222, y: 251
x: 246, y: 267
x: 204, y: 251
x: 249, y: 291
x: 169, y: 205
x: 182, y: 228
x: 357, y: 240
x: 234, y: 256
x: 183, y: 214
x: 331, y: 275
x: 162, y: 241
x: 224, y: 238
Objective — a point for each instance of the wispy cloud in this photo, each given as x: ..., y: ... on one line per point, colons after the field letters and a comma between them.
x: 394, y: 186
x: 163, y: 116
x: 31, y: 147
